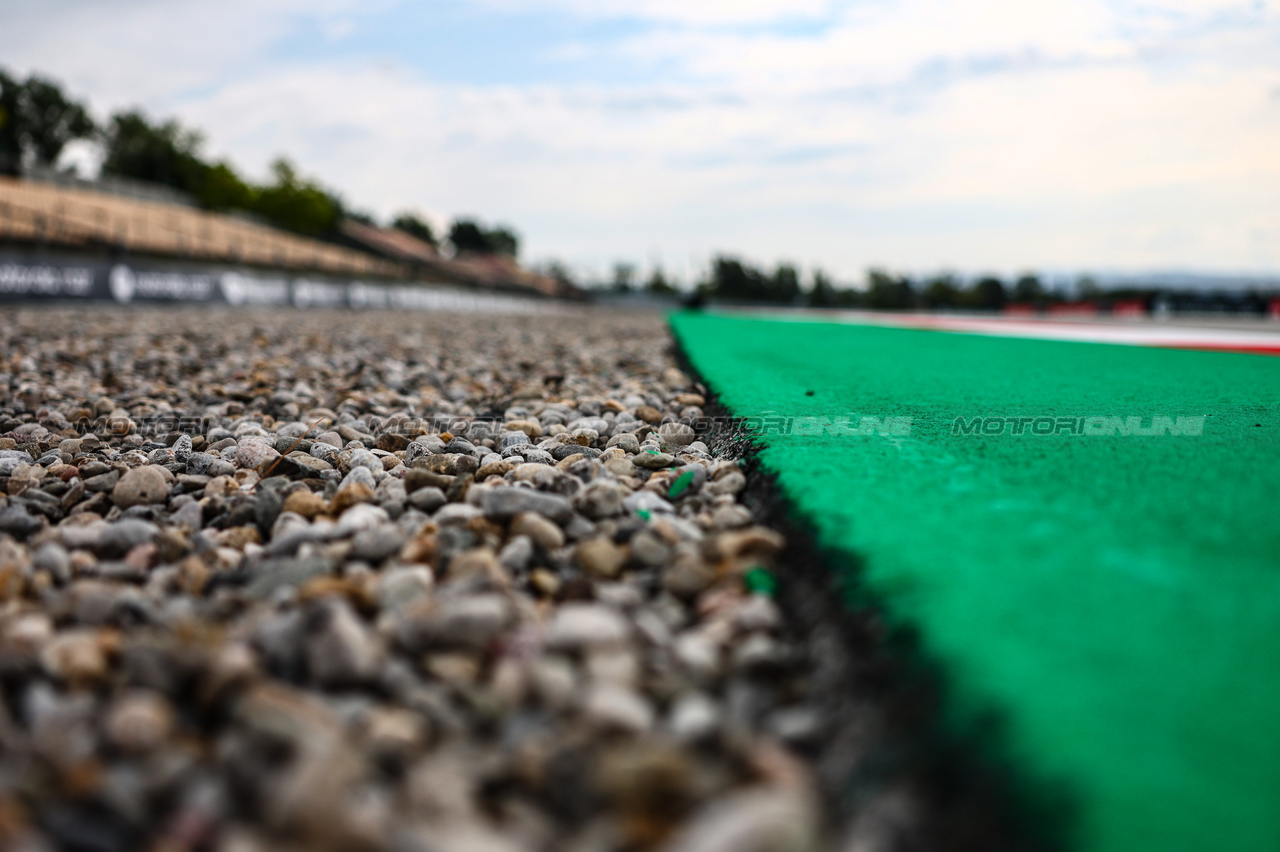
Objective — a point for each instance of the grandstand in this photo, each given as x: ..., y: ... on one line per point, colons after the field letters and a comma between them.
x: 38, y: 213
x: 491, y: 271
x: 78, y: 219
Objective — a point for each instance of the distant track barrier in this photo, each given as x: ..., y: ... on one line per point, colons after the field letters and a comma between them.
x: 42, y: 277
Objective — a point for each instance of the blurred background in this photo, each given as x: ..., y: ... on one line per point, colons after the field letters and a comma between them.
x: 645, y: 144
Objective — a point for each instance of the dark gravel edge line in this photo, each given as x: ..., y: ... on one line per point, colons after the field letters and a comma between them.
x: 892, y: 774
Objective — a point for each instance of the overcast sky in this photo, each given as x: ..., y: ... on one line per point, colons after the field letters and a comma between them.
x: 978, y: 135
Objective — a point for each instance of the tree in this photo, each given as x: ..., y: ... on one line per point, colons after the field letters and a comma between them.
x: 658, y: 285
x: 731, y: 279
x: 822, y: 294
x: 467, y: 235
x: 414, y: 227
x: 222, y: 189
x: 37, y: 121
x: 165, y: 153
x: 296, y: 204
x: 987, y: 294
x: 624, y: 275
x: 10, y: 129
x: 1028, y: 288
x: 889, y: 292
x: 503, y: 240
x: 784, y: 285
x: 941, y: 292
x: 1087, y: 288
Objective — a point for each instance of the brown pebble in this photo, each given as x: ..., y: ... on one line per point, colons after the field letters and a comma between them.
x: 356, y: 492
x: 308, y: 504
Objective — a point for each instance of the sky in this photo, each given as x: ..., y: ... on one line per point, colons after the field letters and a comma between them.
x: 973, y: 135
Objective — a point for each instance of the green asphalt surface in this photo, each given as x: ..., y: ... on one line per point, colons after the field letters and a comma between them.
x: 1116, y: 598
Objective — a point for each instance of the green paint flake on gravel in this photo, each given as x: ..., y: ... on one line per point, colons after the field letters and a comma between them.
x: 682, y: 483
x: 760, y: 581
x: 1118, y: 597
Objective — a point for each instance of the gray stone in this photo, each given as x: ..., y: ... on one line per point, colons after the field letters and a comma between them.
x: 306, y: 464
x: 220, y: 467
x: 191, y: 516
x: 102, y: 482
x: 676, y: 434
x: 503, y: 503
x: 340, y: 649
x: 266, y: 508
x: 361, y: 517
x: 627, y: 441
x: 471, y: 621
x: 11, y: 459
x: 182, y: 449
x: 652, y: 460
x: 122, y: 536
x: 324, y: 452
x: 517, y: 554
x: 427, y: 499
x: 162, y: 456
x: 359, y: 474
x: 375, y: 545
x: 513, y: 441
x: 533, y: 455
x: 600, y: 499
x: 198, y: 463
x: 402, y: 587
x: 595, y: 424
x: 17, y: 522
x: 281, y: 573
x: 456, y: 514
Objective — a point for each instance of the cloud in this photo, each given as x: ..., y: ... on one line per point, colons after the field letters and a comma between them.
x: 717, y: 13
x: 989, y: 133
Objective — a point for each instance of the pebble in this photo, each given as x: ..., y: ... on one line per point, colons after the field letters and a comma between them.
x: 600, y: 499
x: 676, y: 435
x: 616, y: 707
x: 694, y: 717
x: 341, y: 650
x: 308, y: 504
x: 470, y: 621
x: 653, y: 460
x: 506, y: 503
x: 538, y: 529
x: 379, y: 580
x: 578, y: 625
x: 141, y: 486
x: 254, y: 452
x: 18, y: 522
x: 601, y: 557
x: 427, y: 499
x: 139, y: 721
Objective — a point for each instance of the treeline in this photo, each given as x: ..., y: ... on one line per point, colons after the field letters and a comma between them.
x: 38, y: 120
x: 732, y: 279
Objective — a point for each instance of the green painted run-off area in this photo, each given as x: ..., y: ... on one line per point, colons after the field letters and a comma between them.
x: 1118, y: 597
